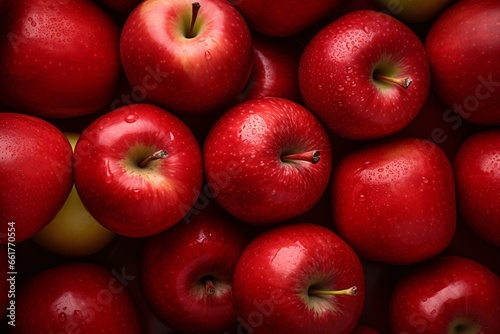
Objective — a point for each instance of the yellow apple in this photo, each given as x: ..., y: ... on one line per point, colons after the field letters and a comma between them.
x: 73, y: 232
x: 414, y: 11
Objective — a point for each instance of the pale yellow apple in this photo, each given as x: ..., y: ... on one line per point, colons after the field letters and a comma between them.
x: 74, y: 232
x: 413, y: 11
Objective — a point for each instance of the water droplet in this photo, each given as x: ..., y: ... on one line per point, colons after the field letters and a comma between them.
x: 424, y: 180
x: 366, y: 30
x: 433, y: 312
x: 208, y: 55
x: 340, y: 88
x: 62, y: 317
x: 33, y: 23
x: 77, y: 314
x: 109, y: 174
x: 131, y: 118
x: 353, y: 84
x: 137, y: 194
x: 362, y: 198
x: 201, y: 39
x: 243, y: 159
x: 349, y: 69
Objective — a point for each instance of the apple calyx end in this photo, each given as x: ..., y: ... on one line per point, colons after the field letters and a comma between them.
x: 352, y: 291
x: 195, y: 6
x: 310, y: 156
x: 209, y: 287
x: 402, y: 82
x: 161, y: 154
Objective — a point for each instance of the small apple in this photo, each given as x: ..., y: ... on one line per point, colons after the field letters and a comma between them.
x: 267, y: 160
x: 448, y: 294
x: 365, y: 75
x: 477, y: 175
x: 36, y: 175
x: 394, y: 201
x: 192, y: 57
x: 463, y: 45
x: 187, y: 272
x: 137, y: 170
x: 298, y: 278
x: 76, y: 297
x: 73, y: 231
x: 414, y: 11
x: 57, y: 58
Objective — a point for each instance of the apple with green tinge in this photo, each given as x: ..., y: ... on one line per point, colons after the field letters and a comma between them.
x: 298, y: 278
x: 186, y: 56
x: 73, y: 231
x: 138, y: 170
x: 414, y: 11
x: 451, y: 295
x: 76, y: 297
x: 187, y: 272
x: 365, y: 75
x: 463, y: 46
x: 36, y: 175
x: 477, y: 175
x: 394, y: 201
x: 267, y: 160
x: 57, y: 58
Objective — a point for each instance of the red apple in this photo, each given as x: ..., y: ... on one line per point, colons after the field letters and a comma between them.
x: 137, y: 170
x: 274, y: 70
x: 463, y: 46
x: 267, y: 160
x: 365, y: 75
x: 281, y: 18
x: 394, y: 201
x: 298, y: 278
x: 57, y: 58
x: 187, y: 272
x: 35, y: 175
x: 187, y: 56
x: 477, y: 174
x: 75, y: 297
x: 451, y: 295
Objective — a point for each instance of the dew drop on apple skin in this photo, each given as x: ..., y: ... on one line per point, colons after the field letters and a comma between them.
x: 109, y: 174
x: 208, y: 55
x: 131, y: 118
x: 424, y: 180
x: 62, y: 317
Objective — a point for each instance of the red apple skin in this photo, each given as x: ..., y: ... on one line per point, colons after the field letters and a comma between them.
x: 394, y: 201
x: 463, y: 45
x: 58, y: 59
x: 187, y: 75
x: 76, y: 296
x: 336, y: 75
x: 275, y: 272
x: 477, y: 174
x: 175, y: 264
x: 281, y: 18
x: 35, y: 174
x: 120, y: 195
x: 444, y: 293
x: 274, y: 70
x: 243, y: 165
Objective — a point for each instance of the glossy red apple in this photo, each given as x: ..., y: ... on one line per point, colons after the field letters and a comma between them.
x: 35, y: 175
x: 394, y: 201
x: 298, y: 278
x: 463, y: 45
x: 365, y: 75
x: 187, y: 56
x: 187, y: 272
x: 477, y: 175
x: 267, y: 160
x: 138, y: 170
x: 447, y: 295
x: 280, y: 18
x: 76, y: 297
x: 57, y: 58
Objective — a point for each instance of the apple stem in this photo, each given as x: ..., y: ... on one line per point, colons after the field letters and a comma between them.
x: 352, y: 291
x: 311, y: 156
x: 403, y: 82
x: 161, y: 154
x: 209, y: 287
x: 195, y: 9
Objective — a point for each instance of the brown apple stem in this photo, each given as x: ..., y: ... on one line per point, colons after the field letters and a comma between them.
x: 161, y: 154
x: 311, y: 156
x: 209, y: 287
x: 403, y: 82
x: 195, y: 9
x: 352, y: 291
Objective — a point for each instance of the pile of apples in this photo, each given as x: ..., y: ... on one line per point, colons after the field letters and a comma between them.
x: 250, y: 166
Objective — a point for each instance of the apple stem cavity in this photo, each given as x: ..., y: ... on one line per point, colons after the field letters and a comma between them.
x: 161, y: 154
x: 195, y: 6
x: 403, y: 82
x: 352, y: 291
x: 310, y: 156
x: 209, y: 287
